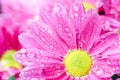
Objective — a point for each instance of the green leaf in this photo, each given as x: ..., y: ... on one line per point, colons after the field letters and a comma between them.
x: 115, y: 77
x: 12, y: 78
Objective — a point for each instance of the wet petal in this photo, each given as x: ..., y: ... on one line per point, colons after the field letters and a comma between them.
x: 91, y: 31
x: 106, y: 67
x: 43, y: 39
x: 40, y: 72
x: 76, y: 15
x: 29, y: 40
x: 59, y: 21
x: 92, y: 76
x: 52, y: 71
x: 36, y: 56
x: 105, y: 41
x: 31, y: 73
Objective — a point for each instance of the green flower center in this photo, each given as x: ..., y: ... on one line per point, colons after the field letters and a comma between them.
x: 78, y: 63
x: 8, y: 60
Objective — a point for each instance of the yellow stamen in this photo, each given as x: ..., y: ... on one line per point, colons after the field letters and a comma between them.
x: 8, y: 61
x: 78, y: 63
x: 88, y: 6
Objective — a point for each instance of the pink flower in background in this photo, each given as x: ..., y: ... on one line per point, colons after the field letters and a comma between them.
x: 12, y: 22
x: 111, y: 8
x: 9, y: 45
x: 22, y: 10
x: 68, y: 45
x: 111, y: 11
x: 13, y: 18
x: 108, y: 9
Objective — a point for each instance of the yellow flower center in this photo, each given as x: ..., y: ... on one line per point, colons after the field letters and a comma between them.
x: 88, y: 6
x: 8, y: 60
x: 118, y: 31
x: 78, y: 63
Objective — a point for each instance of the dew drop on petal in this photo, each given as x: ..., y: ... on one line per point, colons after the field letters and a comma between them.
x: 76, y: 8
x: 67, y: 29
x: 60, y: 29
x: 69, y: 34
x: 23, y: 55
x: 76, y: 15
x: 34, y: 79
x: 100, y: 72
x: 23, y: 50
x: 30, y: 55
x: 43, y: 39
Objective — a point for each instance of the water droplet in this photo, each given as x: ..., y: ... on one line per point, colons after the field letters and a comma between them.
x: 116, y: 43
x: 56, y: 8
x: 60, y: 29
x: 76, y: 15
x: 76, y: 8
x: 23, y: 55
x: 36, y: 17
x: 66, y: 29
x: 100, y: 72
x: 37, y: 60
x: 30, y: 55
x: 23, y: 50
x: 43, y: 39
x: 63, y: 37
x: 38, y: 56
x: 43, y: 30
x: 71, y: 16
x: 51, y: 47
x: 50, y: 31
x: 19, y: 61
x: 107, y: 25
x: 69, y: 34
x: 81, y: 44
x: 34, y: 79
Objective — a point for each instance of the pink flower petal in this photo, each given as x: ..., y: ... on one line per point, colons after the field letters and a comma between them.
x: 105, y: 41
x: 107, y: 5
x: 29, y: 40
x: 105, y: 67
x: 31, y: 73
x: 49, y: 71
x: 46, y: 41
x: 58, y: 19
x: 76, y: 15
x: 37, y: 56
x: 92, y: 76
x: 112, y: 51
x: 52, y: 71
x: 110, y: 24
x: 90, y: 33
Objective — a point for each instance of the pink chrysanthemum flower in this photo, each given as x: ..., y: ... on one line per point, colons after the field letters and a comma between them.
x: 26, y: 8
x: 68, y: 45
x: 9, y: 45
x: 109, y: 9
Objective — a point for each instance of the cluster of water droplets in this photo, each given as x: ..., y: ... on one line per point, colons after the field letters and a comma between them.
x: 106, y: 66
x: 31, y: 73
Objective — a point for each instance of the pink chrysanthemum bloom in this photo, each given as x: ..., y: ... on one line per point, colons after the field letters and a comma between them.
x: 111, y: 11
x: 9, y: 45
x: 65, y: 45
x: 111, y: 8
x: 26, y: 8
x: 20, y: 8
x: 108, y: 9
